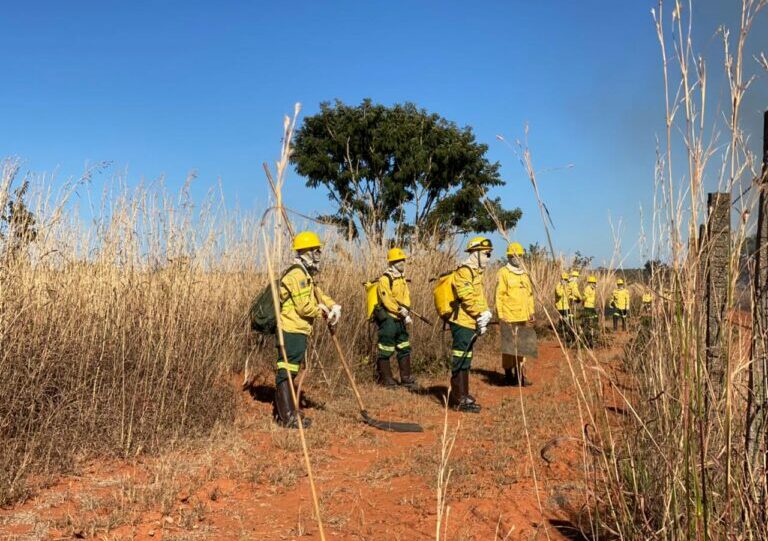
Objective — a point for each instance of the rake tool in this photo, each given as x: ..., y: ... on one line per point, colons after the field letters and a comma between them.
x: 389, y: 426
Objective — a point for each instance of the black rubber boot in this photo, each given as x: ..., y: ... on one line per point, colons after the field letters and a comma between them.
x: 466, y: 403
x: 624, y: 324
x: 406, y: 379
x: 454, y: 396
x: 615, y: 323
x: 524, y: 382
x: 510, y: 376
x: 384, y: 373
x: 286, y: 413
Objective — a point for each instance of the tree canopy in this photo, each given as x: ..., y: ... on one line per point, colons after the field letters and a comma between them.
x: 399, y: 166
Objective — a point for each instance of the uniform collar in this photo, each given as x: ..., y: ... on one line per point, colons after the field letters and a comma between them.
x: 516, y: 270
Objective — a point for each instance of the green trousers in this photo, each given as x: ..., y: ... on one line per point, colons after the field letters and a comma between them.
x: 461, y: 350
x: 393, y: 338
x: 295, y: 350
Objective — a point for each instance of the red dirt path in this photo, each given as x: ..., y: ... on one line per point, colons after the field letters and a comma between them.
x: 250, y: 482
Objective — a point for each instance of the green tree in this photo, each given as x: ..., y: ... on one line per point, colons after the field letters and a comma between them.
x: 399, y: 166
x: 18, y: 225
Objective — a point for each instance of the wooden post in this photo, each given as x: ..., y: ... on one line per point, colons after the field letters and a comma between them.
x: 717, y: 252
x: 757, y: 399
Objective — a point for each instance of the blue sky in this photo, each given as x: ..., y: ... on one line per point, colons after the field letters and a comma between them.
x: 163, y: 88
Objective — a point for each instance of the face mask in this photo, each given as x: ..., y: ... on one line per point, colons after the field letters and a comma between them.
x: 311, y: 260
x: 399, y: 266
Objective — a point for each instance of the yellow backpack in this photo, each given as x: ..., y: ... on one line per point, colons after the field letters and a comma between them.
x: 444, y: 295
x: 371, y: 298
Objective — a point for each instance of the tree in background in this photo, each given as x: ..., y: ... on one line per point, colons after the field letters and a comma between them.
x: 399, y: 166
x: 18, y: 225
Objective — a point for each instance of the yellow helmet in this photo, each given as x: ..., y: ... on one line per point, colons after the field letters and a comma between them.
x: 479, y: 244
x: 306, y: 240
x: 575, y: 273
x: 592, y: 280
x: 564, y: 276
x: 620, y: 282
x: 515, y: 248
x: 395, y: 254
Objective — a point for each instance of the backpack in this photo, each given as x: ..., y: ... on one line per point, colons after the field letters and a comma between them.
x: 372, y: 296
x: 262, y: 312
x: 444, y: 295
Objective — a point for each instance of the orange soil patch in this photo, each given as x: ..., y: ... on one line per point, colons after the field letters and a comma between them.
x: 250, y: 483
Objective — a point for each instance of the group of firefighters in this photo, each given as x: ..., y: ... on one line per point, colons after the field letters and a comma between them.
x: 302, y: 301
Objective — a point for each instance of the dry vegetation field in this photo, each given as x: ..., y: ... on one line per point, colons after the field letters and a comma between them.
x: 125, y: 348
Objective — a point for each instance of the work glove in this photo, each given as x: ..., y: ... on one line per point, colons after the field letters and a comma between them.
x: 334, y: 315
x: 482, y: 329
x: 484, y: 318
x: 407, y: 320
x: 404, y: 312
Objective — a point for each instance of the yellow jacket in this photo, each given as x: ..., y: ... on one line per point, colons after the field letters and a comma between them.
x: 574, y: 295
x: 469, y: 290
x: 561, y: 296
x: 298, y: 305
x: 393, y: 293
x: 590, y: 296
x: 620, y: 299
x: 514, y: 296
x: 647, y: 298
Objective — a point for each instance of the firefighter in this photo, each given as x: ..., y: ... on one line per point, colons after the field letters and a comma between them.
x: 299, y: 308
x: 469, y: 320
x: 514, y: 305
x: 620, y: 305
x: 590, y: 310
x: 574, y: 295
x: 392, y: 316
x: 563, y: 307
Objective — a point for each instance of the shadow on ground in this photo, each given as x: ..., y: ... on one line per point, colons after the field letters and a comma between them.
x: 266, y: 395
x: 491, y: 377
x: 568, y: 530
x: 438, y: 393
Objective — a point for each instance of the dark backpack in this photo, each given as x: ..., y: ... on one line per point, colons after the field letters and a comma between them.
x: 262, y: 311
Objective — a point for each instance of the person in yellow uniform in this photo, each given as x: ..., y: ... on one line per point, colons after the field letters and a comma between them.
x: 647, y: 302
x: 574, y: 295
x: 469, y: 320
x: 514, y: 305
x: 620, y: 305
x: 590, y: 310
x: 299, y: 307
x: 563, y: 307
x: 392, y: 314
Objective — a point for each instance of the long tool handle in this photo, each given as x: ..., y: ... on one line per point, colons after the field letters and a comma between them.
x: 419, y: 316
x: 343, y: 361
x: 342, y: 358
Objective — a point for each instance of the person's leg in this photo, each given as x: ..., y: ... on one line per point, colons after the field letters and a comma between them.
x: 386, y: 348
x: 461, y: 356
x: 295, y: 350
x: 403, y: 348
x: 510, y: 369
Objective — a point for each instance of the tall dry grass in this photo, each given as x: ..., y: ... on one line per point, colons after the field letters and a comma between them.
x: 677, y: 465
x: 119, y: 327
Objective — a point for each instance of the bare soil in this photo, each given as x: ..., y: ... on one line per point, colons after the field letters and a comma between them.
x: 519, y: 469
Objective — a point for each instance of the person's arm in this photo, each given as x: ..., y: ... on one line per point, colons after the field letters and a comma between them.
x: 499, y: 295
x: 386, y: 297
x: 531, y: 305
